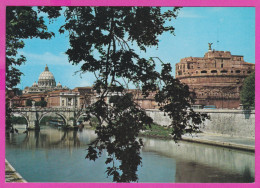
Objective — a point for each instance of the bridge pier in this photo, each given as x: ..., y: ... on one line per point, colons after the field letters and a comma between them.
x: 33, y: 120
x: 71, y: 123
x: 33, y: 125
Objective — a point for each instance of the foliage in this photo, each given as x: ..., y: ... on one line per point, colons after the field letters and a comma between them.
x: 103, y: 38
x: 28, y: 102
x: 157, y: 131
x: 18, y: 120
x: 41, y: 103
x: 247, y: 95
x: 22, y: 23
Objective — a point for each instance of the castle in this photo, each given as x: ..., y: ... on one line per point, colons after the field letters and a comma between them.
x: 216, y: 79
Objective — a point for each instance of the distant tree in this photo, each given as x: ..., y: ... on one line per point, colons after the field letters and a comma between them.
x: 247, y: 95
x: 22, y: 23
x: 103, y: 38
x: 41, y: 103
x: 28, y: 102
x: 18, y: 120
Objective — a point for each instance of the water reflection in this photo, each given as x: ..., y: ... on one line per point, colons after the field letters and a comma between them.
x: 52, y: 155
x: 205, y: 161
x: 50, y: 137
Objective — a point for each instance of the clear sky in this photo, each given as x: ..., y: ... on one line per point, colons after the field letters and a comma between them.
x: 229, y: 29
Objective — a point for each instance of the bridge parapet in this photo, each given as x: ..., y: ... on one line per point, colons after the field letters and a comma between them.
x: 47, y: 109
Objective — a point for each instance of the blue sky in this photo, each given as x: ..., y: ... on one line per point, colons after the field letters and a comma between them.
x: 233, y: 28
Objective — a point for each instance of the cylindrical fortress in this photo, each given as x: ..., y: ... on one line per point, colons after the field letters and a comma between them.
x: 216, y: 78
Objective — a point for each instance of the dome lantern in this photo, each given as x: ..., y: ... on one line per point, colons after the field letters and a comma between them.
x: 46, y: 68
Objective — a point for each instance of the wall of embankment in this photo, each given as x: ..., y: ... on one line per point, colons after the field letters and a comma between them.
x: 222, y: 121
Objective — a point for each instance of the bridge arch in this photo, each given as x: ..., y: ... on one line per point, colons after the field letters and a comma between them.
x: 79, y: 116
x: 58, y: 114
x: 23, y: 115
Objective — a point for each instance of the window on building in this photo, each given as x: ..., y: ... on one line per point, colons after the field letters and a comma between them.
x: 238, y: 71
x: 69, y: 101
x: 221, y: 65
x: 204, y: 71
x: 214, y: 71
x: 224, y: 71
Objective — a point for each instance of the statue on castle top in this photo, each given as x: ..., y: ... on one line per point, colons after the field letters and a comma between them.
x: 210, y: 46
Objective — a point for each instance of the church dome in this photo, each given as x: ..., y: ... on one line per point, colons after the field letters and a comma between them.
x: 46, y: 79
x: 46, y: 75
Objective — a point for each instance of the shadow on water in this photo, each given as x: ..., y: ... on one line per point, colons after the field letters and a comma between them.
x: 247, y: 176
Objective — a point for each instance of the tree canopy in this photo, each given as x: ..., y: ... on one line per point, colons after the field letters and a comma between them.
x: 23, y: 23
x: 103, y: 38
x: 247, y: 95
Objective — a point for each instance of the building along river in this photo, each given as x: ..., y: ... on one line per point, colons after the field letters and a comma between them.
x: 53, y: 155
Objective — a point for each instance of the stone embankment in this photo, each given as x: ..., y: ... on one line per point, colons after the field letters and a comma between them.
x: 246, y: 144
x: 226, y: 128
x: 11, y: 176
x: 233, y: 123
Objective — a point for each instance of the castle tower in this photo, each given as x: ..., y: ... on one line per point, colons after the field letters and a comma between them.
x: 216, y: 78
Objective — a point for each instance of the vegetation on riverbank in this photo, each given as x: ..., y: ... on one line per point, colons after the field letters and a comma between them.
x: 18, y: 120
x: 93, y: 123
x: 157, y: 131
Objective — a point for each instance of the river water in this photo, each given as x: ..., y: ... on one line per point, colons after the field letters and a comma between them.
x: 52, y: 155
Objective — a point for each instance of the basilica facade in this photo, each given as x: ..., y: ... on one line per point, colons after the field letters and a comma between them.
x: 46, y: 82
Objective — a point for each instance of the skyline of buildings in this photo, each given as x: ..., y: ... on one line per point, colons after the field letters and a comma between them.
x: 228, y: 28
x: 215, y: 79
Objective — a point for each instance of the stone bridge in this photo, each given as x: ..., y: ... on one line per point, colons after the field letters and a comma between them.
x: 34, y: 115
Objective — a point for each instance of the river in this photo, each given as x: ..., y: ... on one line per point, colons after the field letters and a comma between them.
x: 52, y: 155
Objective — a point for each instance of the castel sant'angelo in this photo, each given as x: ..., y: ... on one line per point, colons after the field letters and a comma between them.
x: 216, y: 78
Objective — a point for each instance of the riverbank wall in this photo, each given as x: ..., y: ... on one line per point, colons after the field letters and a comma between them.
x: 11, y: 175
x: 240, y: 123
